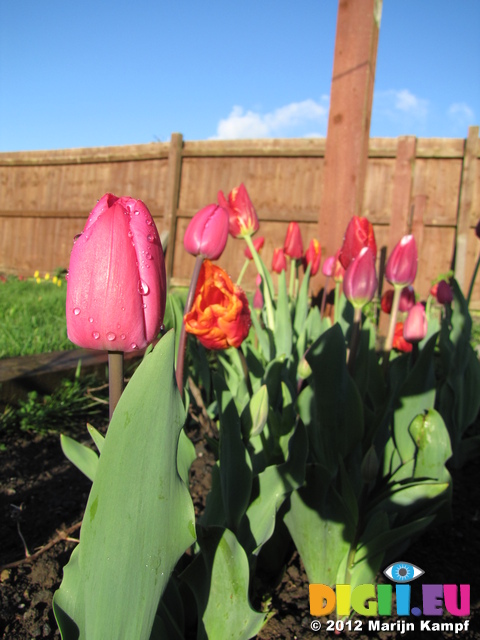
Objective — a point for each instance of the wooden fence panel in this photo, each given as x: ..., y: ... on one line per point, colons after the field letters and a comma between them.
x: 423, y: 186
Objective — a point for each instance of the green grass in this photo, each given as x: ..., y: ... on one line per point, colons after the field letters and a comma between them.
x: 32, y: 317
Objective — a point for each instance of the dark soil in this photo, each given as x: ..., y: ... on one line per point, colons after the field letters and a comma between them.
x: 43, y: 496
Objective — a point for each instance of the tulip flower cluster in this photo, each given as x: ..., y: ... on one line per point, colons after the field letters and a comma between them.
x: 314, y: 428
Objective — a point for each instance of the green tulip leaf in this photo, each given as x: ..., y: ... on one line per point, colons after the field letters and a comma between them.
x: 96, y: 436
x: 80, y: 455
x: 139, y: 517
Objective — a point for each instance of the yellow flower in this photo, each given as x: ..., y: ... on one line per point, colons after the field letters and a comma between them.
x: 47, y: 276
x: 36, y: 274
x: 54, y: 279
x: 59, y: 283
x: 38, y: 280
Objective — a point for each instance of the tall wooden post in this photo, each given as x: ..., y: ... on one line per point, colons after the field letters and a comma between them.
x: 351, y: 97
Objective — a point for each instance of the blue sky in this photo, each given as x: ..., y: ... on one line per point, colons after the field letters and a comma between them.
x: 97, y: 73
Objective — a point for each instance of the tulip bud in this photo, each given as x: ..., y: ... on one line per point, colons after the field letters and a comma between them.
x: 258, y: 244
x: 313, y: 256
x: 258, y: 296
x: 243, y: 219
x: 444, y: 293
x: 116, y: 288
x: 360, y: 281
x: 207, y: 232
x: 339, y: 271
x: 279, y: 262
x: 416, y: 325
x: 406, y: 302
x: 328, y: 267
x: 401, y: 267
x: 293, y: 245
x: 359, y: 234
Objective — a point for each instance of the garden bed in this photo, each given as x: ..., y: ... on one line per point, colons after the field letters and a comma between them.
x: 43, y: 497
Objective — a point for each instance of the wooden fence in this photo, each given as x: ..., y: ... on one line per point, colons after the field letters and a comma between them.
x: 430, y: 187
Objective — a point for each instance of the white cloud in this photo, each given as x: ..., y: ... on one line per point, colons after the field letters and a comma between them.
x: 291, y: 119
x: 403, y: 102
x: 461, y: 114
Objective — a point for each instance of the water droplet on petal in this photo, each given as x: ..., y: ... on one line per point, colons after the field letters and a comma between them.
x: 76, y: 311
x: 143, y: 289
x: 90, y: 319
x: 111, y: 336
x: 133, y: 346
x: 151, y: 237
x: 130, y: 234
x: 148, y: 255
x: 123, y: 336
x: 95, y: 335
x: 136, y: 212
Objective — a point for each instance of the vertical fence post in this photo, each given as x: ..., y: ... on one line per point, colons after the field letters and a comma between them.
x: 172, y: 193
x: 400, y: 222
x: 465, y: 205
x: 346, y: 152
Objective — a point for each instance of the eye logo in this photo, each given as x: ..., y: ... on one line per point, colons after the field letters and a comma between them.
x: 403, y: 572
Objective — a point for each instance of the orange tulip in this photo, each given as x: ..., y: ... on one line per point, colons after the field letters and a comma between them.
x: 220, y: 315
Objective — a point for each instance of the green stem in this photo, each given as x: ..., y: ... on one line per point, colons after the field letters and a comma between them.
x: 336, y: 307
x: 393, y: 321
x: 324, y: 297
x: 243, y: 360
x: 242, y: 271
x: 266, y: 288
x: 354, y: 340
x: 182, y: 343
x: 472, y: 282
x: 292, y: 278
x: 115, y: 379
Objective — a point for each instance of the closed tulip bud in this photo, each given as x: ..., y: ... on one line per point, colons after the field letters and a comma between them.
x: 207, y: 232
x: 116, y: 288
x: 406, y: 302
x: 258, y: 244
x: 279, y: 262
x: 328, y: 267
x: 360, y: 280
x: 293, y: 245
x: 313, y: 256
x: 258, y: 299
x: 243, y: 219
x: 444, y: 293
x: 339, y: 271
x: 359, y: 234
x: 401, y: 267
x: 416, y: 325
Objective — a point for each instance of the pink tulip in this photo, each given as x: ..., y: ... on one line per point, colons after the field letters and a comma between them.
x: 328, y: 267
x: 243, y: 219
x: 258, y: 296
x: 415, y: 326
x: 258, y: 244
x: 116, y: 288
x: 207, y: 232
x: 401, y: 267
x: 279, y: 262
x: 360, y: 280
x: 293, y: 245
x: 313, y: 256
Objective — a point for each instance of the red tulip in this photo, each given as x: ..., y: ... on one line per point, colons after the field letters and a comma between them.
x: 258, y: 244
x: 313, y: 256
x: 279, y: 262
x: 407, y: 300
x: 116, y: 288
x: 207, y: 232
x: 243, y: 219
x: 220, y: 315
x: 293, y: 245
x: 443, y: 292
x: 359, y: 234
x: 328, y: 267
x: 415, y: 326
x: 339, y: 271
x: 399, y: 342
x: 360, y: 280
x: 401, y: 267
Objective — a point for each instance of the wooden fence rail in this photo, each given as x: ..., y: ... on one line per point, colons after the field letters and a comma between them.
x: 427, y: 186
